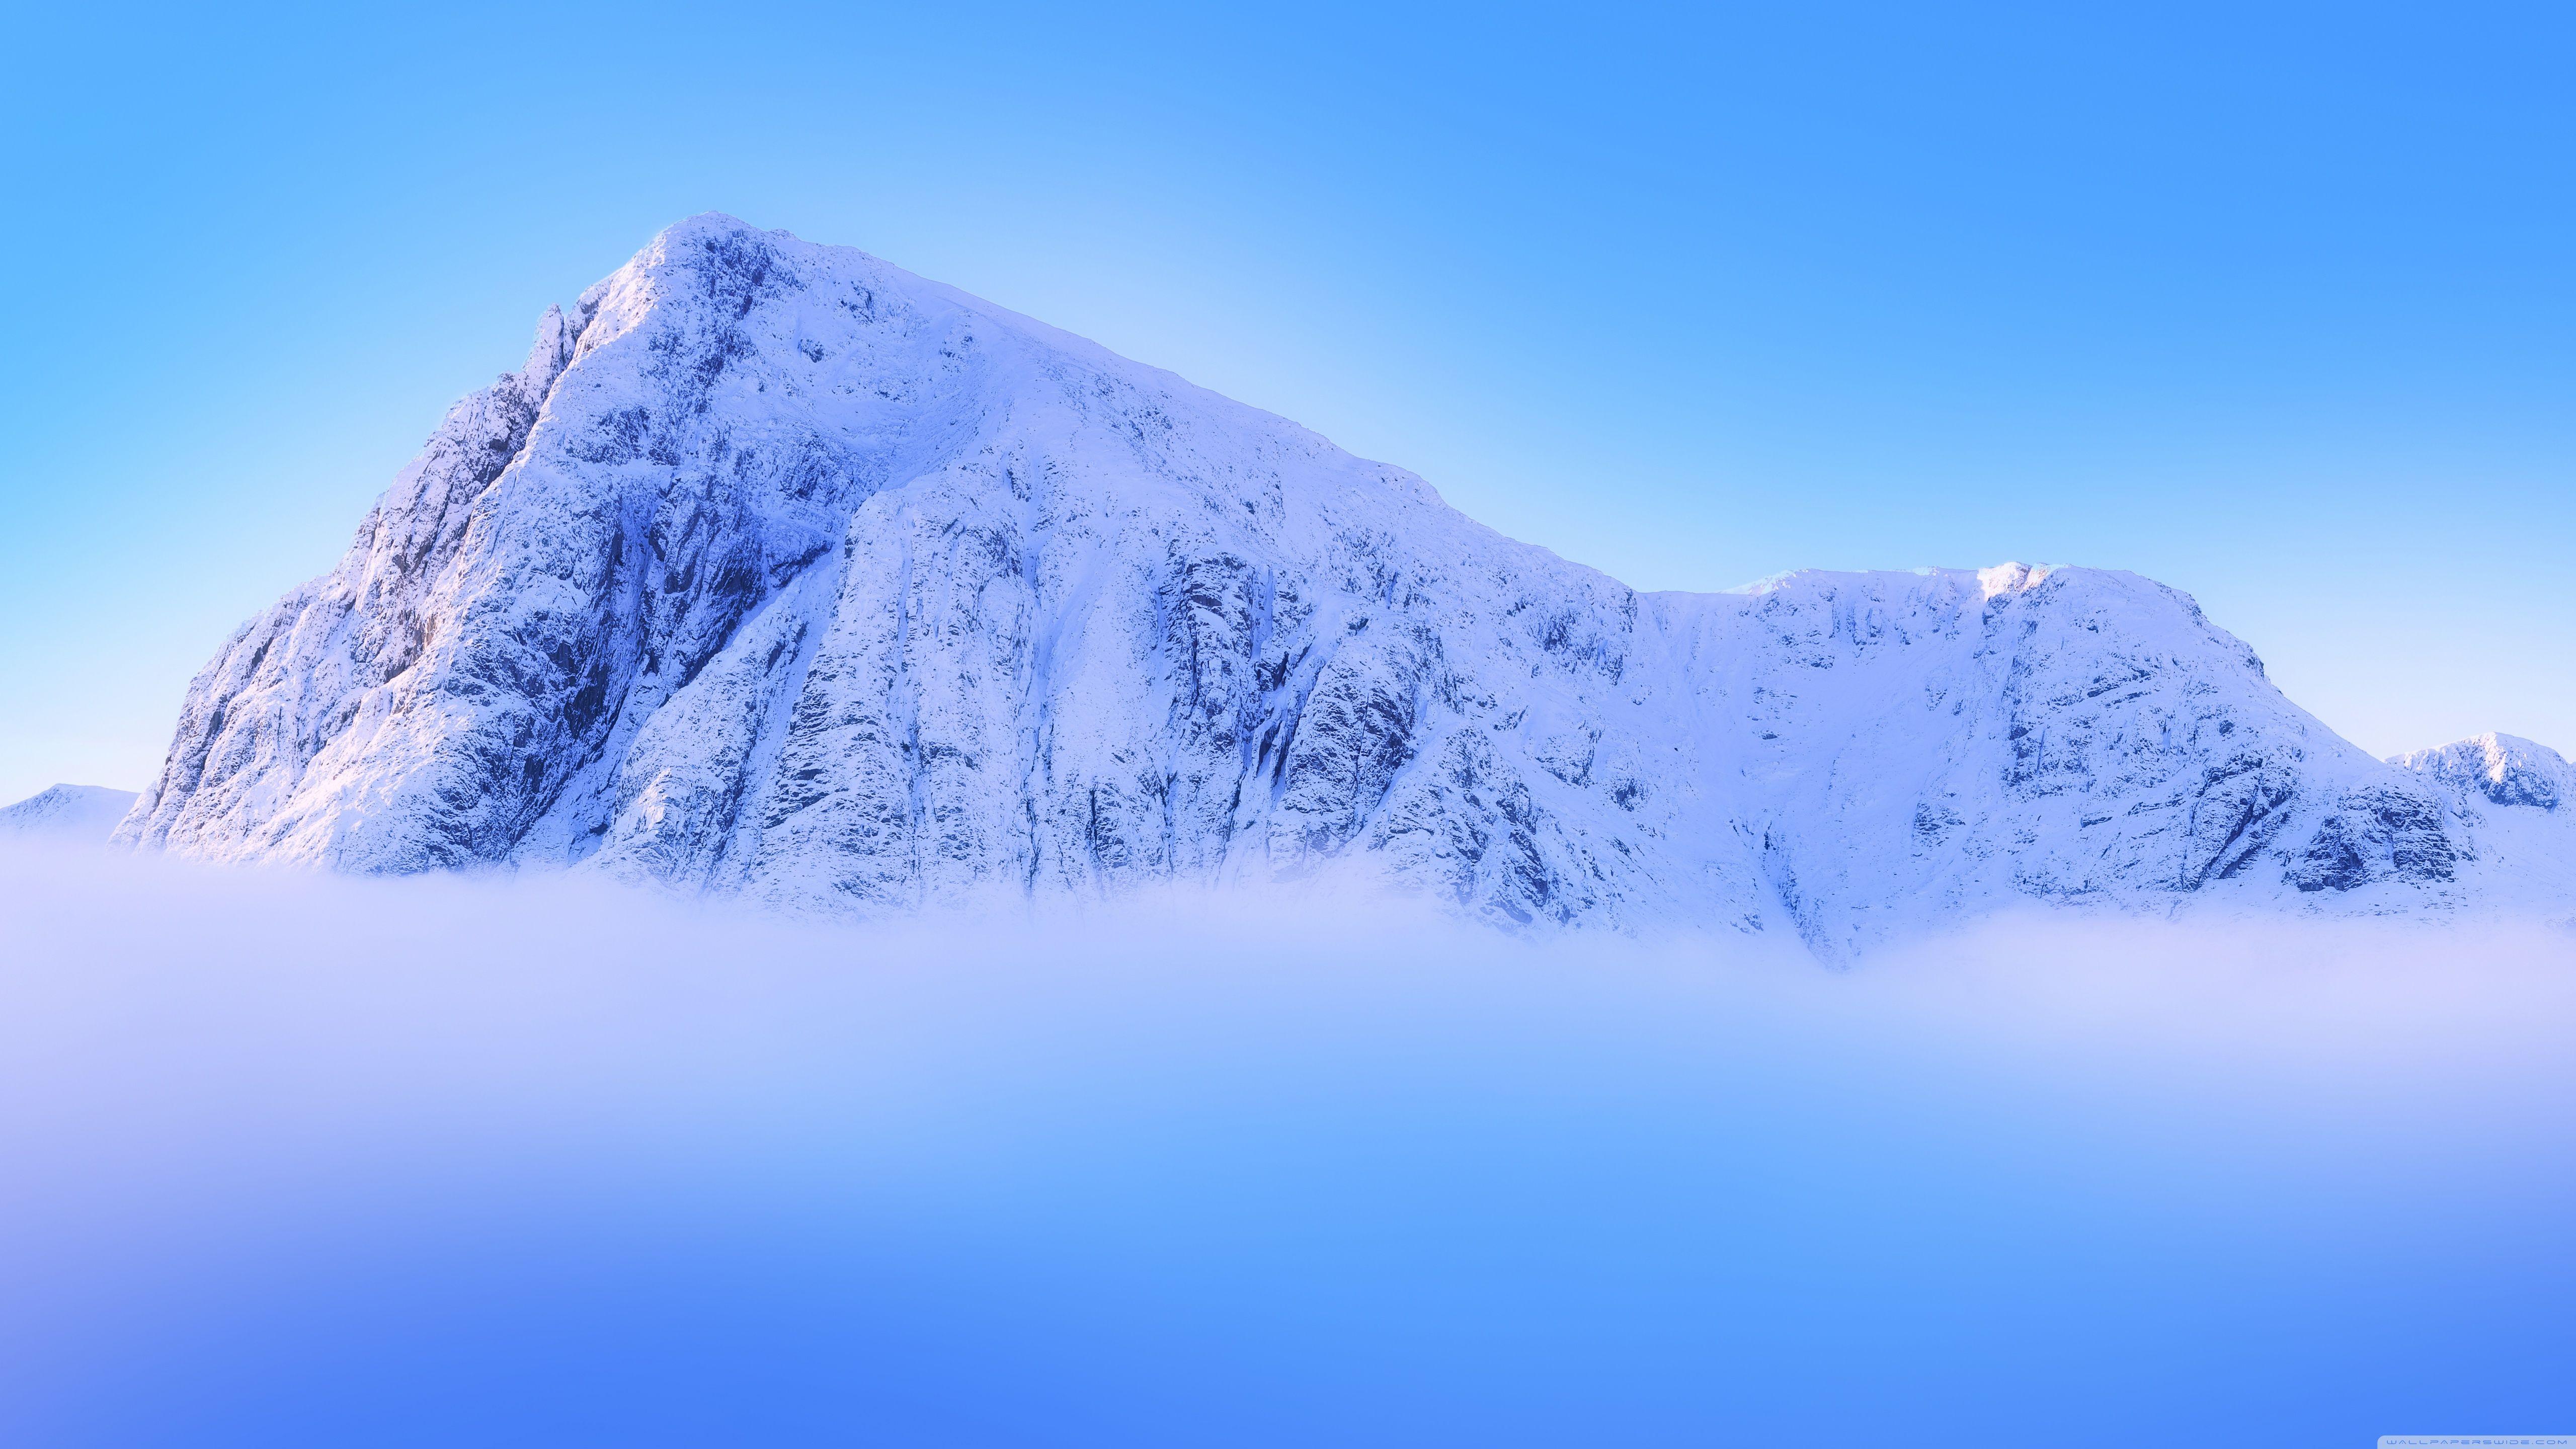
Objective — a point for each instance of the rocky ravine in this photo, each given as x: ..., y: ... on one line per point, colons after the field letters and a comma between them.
x: 779, y: 570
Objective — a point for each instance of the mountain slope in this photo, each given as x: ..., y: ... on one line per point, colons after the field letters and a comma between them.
x: 779, y: 570
x: 2513, y: 804
x: 77, y: 814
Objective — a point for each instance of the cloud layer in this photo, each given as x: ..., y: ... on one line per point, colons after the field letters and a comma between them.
x: 297, y: 1160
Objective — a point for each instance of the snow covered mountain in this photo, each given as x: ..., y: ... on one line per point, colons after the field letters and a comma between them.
x: 779, y: 570
x: 81, y: 814
x: 2513, y: 806
x: 2504, y: 770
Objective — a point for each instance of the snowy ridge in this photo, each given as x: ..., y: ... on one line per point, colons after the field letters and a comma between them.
x: 80, y: 814
x: 2513, y: 804
x: 778, y: 570
x: 2499, y: 769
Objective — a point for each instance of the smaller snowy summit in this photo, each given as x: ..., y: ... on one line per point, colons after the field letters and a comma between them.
x: 2513, y: 803
x: 2502, y: 769
x: 82, y: 814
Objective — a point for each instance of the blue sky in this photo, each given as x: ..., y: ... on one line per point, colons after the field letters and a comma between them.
x: 2276, y: 304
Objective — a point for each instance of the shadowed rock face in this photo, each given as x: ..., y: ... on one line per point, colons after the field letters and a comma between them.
x: 780, y: 571
x: 2376, y: 834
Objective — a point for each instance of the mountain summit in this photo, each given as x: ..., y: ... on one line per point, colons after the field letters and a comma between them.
x: 779, y: 570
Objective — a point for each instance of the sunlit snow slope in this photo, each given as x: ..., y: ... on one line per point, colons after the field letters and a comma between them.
x: 779, y: 570
x: 78, y: 814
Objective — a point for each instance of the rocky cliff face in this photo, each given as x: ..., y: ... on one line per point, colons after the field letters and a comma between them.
x: 778, y: 570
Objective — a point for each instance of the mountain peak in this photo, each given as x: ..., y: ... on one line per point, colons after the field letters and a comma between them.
x: 84, y: 814
x: 2504, y: 769
x: 784, y: 572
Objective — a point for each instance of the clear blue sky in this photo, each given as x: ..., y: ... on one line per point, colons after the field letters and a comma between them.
x: 2277, y: 304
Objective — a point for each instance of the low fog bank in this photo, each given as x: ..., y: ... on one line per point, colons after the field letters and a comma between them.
x: 289, y: 1159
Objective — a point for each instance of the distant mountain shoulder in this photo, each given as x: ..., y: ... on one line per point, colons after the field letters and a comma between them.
x: 2513, y: 805
x: 2498, y: 769
x: 782, y: 572
x: 86, y: 814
